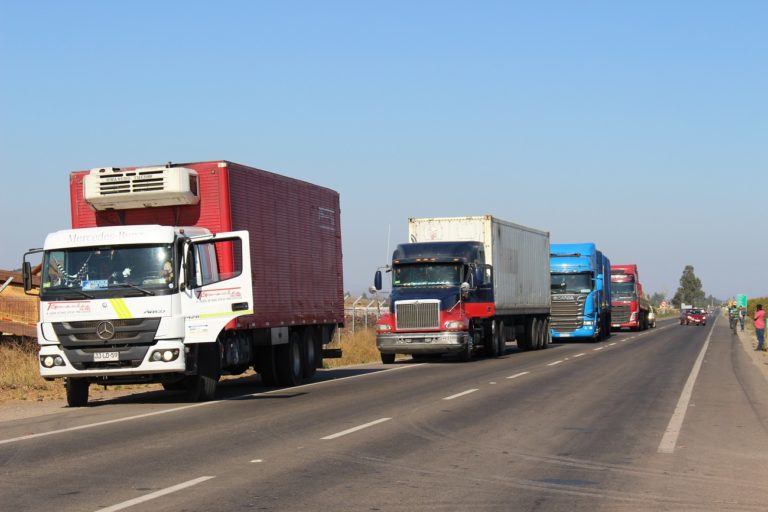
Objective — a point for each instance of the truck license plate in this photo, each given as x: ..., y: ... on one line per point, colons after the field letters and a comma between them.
x: 106, y: 356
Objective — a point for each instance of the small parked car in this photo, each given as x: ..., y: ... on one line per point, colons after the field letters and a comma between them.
x: 652, y: 318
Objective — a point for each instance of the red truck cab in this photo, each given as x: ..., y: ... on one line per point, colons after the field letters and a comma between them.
x: 630, y: 306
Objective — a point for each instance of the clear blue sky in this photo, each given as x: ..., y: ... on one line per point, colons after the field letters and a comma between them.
x: 641, y: 126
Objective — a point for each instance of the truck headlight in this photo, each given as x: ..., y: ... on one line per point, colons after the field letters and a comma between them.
x: 588, y: 322
x: 455, y: 324
x: 164, y: 355
x: 51, y: 361
x: 383, y: 327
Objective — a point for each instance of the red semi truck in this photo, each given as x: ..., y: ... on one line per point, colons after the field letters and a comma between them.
x: 630, y: 307
x: 181, y: 273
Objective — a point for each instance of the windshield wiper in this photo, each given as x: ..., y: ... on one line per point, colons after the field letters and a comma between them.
x: 129, y: 285
x: 80, y: 293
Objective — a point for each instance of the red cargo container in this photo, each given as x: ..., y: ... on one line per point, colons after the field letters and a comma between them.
x: 295, y: 236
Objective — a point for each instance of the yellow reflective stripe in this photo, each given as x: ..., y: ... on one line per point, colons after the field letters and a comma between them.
x: 226, y: 313
x: 120, y: 308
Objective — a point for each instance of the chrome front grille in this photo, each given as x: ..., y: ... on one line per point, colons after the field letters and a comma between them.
x: 620, y: 314
x: 83, y: 334
x: 567, y: 313
x: 423, y: 314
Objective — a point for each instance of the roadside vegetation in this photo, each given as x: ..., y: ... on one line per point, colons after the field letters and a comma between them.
x: 358, y: 347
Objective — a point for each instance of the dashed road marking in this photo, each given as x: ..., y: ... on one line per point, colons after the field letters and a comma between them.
x: 579, y: 355
x: 555, y: 363
x: 518, y: 375
x: 457, y: 395
x: 354, y: 429
x: 598, y: 348
x: 156, y: 494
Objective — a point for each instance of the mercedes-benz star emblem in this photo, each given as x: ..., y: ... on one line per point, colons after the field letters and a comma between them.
x: 105, y: 330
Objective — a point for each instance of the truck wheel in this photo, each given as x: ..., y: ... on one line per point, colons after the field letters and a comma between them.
x: 546, y: 335
x: 388, y: 358
x: 202, y: 387
x: 536, y: 332
x: 490, y: 339
x: 288, y: 361
x: 466, y: 353
x: 501, y: 339
x: 525, y: 341
x: 309, y: 352
x: 77, y: 392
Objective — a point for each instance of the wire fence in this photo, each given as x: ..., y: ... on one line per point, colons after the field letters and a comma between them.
x: 361, y: 312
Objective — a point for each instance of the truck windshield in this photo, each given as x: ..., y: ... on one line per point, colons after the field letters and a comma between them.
x: 435, y: 274
x: 83, y: 271
x: 572, y: 283
x: 623, y: 290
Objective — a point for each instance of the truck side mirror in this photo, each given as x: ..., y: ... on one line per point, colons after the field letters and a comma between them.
x: 377, y: 280
x: 464, y: 289
x: 27, y: 273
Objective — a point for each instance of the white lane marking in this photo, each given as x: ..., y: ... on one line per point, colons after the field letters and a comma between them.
x: 556, y: 362
x: 154, y: 495
x: 256, y: 461
x: 354, y: 429
x: 598, y: 348
x: 457, y: 395
x: 611, y: 344
x: 518, y: 375
x: 192, y: 406
x: 669, y: 440
x: 579, y: 355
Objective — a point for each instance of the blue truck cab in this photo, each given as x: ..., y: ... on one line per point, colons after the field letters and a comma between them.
x: 581, y: 292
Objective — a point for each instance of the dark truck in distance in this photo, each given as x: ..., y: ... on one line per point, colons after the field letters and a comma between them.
x: 465, y: 283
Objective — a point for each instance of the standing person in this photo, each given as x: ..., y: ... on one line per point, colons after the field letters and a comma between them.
x: 742, y: 316
x: 759, y: 320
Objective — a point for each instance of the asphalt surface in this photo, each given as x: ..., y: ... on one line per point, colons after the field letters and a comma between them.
x: 674, y: 418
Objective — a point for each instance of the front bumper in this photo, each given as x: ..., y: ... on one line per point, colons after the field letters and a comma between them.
x: 586, y: 331
x: 145, y: 367
x: 422, y: 342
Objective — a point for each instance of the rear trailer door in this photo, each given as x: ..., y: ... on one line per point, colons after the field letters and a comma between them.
x: 217, y: 283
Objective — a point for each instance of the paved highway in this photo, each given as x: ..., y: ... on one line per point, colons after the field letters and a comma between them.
x: 675, y: 418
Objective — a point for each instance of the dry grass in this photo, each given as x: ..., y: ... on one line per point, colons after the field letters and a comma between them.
x: 357, y: 348
x: 20, y: 378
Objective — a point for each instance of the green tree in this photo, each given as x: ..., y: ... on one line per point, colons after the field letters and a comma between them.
x: 690, y: 290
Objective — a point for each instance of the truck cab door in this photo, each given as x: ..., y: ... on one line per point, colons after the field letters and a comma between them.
x: 215, y: 283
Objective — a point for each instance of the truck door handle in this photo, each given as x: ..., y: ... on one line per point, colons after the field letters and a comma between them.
x: 239, y: 306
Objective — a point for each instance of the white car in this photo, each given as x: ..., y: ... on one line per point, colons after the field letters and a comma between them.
x: 652, y: 318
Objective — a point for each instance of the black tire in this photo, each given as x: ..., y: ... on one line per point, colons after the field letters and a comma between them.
x: 466, y: 353
x: 202, y: 387
x: 388, y: 358
x: 77, y: 392
x: 525, y: 341
x: 288, y: 361
x: 490, y: 341
x: 537, y: 331
x: 309, y: 352
x: 546, y: 335
x: 501, y: 338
